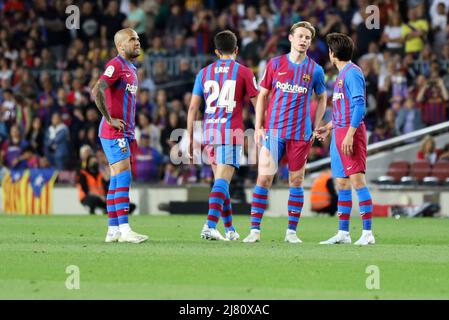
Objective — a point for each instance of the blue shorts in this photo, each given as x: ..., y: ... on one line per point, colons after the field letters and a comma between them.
x: 296, y: 151
x: 116, y: 149
x: 224, y: 154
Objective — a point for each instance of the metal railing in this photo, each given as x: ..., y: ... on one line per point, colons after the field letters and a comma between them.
x: 387, y: 144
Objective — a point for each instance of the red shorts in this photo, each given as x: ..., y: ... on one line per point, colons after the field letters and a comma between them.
x: 344, y: 166
x: 296, y: 151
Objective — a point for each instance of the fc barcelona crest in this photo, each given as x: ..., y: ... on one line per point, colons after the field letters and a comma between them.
x: 306, y: 77
x: 340, y: 83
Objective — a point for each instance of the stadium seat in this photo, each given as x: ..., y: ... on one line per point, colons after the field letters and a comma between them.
x: 396, y: 170
x: 440, y: 172
x: 418, y: 171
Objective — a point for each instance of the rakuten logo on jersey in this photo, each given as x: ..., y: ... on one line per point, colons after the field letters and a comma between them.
x: 287, y: 87
x: 338, y: 96
x: 131, y: 88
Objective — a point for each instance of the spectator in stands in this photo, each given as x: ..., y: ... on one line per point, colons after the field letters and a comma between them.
x: 444, y: 153
x: 148, y: 161
x: 408, y: 117
x: 428, y: 151
x: 439, y: 26
x: 13, y: 147
x: 414, y: 32
x: 112, y: 21
x: 171, y: 174
x: 35, y: 136
x: 324, y: 198
x: 136, y: 20
x: 85, y: 152
x: 27, y: 159
x: 57, y: 143
x: 181, y: 48
x: 392, y: 34
x: 380, y: 133
x: 8, y: 109
x: 433, y: 97
x: 166, y: 142
x: 390, y: 122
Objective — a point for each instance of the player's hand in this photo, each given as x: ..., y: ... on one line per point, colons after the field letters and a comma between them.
x: 259, y: 136
x: 321, y: 133
x: 346, y: 146
x: 117, y: 123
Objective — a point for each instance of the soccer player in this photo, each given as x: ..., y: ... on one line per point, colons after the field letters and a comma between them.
x: 115, y: 97
x: 348, y: 146
x: 290, y: 79
x: 223, y: 84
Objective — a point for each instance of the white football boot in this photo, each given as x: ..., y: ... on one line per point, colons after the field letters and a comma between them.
x: 366, y: 238
x: 112, y: 236
x: 254, y: 236
x: 232, y: 236
x: 132, y: 237
x: 291, y: 237
x: 342, y: 237
x: 211, y: 234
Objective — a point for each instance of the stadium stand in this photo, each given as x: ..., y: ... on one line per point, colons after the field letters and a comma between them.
x: 46, y: 68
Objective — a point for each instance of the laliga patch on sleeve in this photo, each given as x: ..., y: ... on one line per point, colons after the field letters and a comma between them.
x: 109, y: 71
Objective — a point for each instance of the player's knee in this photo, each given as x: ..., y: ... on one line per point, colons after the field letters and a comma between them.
x: 264, y: 181
x: 359, y: 184
x: 296, y: 181
x: 343, y: 184
x: 358, y: 181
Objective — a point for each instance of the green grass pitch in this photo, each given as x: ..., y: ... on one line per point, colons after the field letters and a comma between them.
x: 412, y: 256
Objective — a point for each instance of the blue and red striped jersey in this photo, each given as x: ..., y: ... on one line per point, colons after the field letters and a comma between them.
x: 224, y: 85
x: 349, y: 85
x: 291, y: 86
x: 121, y: 77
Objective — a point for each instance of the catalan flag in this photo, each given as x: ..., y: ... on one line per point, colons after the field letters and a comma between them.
x: 28, y: 191
x: 39, y: 192
x: 13, y: 188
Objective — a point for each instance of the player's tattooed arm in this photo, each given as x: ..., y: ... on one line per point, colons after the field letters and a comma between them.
x: 98, y: 93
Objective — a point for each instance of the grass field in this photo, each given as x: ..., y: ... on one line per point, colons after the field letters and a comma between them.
x: 412, y: 256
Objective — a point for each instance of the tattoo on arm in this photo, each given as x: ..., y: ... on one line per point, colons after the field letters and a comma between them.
x: 100, y: 98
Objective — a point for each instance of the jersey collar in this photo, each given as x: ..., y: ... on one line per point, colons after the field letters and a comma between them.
x: 126, y: 62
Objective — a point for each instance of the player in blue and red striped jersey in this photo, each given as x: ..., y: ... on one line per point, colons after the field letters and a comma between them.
x: 224, y: 85
x: 290, y: 79
x: 115, y: 97
x: 348, y: 146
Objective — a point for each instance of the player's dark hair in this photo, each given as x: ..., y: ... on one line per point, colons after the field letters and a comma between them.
x: 225, y: 42
x: 341, y: 46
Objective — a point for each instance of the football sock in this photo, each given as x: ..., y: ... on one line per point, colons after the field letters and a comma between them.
x: 258, y: 206
x: 121, y: 200
x: 344, y: 209
x: 216, y: 199
x: 226, y: 214
x: 295, y: 203
x: 110, y: 207
x: 366, y: 207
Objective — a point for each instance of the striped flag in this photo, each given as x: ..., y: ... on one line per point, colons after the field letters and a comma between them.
x: 39, y: 193
x: 28, y: 191
x: 13, y: 187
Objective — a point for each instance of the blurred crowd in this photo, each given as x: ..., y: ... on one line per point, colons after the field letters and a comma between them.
x: 48, y: 117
